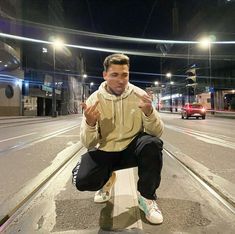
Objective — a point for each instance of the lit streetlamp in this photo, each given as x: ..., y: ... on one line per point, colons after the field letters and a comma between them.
x: 84, y: 76
x: 169, y: 75
x: 206, y: 43
x: 57, y: 44
x: 156, y: 83
x: 171, y: 102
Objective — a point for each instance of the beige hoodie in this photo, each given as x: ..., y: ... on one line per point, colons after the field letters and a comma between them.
x: 120, y: 120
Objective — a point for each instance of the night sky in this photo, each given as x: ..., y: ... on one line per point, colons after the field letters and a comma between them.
x: 131, y: 18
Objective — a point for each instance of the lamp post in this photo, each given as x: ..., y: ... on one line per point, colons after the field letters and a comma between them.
x: 171, y: 102
x: 169, y: 75
x: 206, y: 43
x: 57, y: 44
x: 158, y: 101
x: 84, y: 76
x: 91, y: 84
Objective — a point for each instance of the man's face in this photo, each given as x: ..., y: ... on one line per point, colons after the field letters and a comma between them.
x: 117, y: 77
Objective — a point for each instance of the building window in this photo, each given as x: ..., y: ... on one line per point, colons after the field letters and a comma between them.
x: 9, y: 91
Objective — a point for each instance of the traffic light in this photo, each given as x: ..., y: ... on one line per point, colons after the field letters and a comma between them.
x: 191, y: 77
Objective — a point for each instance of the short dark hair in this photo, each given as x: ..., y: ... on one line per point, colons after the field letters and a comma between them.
x: 120, y: 59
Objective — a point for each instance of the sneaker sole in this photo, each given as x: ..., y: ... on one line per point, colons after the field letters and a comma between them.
x: 141, y: 208
x: 110, y: 191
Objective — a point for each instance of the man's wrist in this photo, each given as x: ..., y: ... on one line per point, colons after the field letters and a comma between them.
x: 149, y: 113
x: 91, y: 124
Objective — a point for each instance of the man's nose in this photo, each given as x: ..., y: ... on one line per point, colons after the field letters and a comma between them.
x: 120, y: 80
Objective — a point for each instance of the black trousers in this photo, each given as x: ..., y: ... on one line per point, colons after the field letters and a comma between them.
x: 144, y: 152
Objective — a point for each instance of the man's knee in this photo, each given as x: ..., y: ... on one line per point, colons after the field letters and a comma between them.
x: 152, y: 141
x: 85, y: 182
x: 151, y: 148
x: 157, y: 142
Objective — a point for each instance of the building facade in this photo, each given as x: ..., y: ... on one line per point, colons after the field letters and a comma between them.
x: 11, y: 72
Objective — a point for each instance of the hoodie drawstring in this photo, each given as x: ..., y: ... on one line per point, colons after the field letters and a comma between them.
x: 122, y: 112
x: 113, y: 113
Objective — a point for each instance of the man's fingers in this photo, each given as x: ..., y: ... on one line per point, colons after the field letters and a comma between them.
x: 145, y: 97
x: 94, y: 106
x: 83, y: 105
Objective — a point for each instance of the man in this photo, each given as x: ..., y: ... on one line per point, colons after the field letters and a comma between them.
x: 120, y: 129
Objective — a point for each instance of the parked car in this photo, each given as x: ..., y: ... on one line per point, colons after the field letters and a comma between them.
x: 193, y: 110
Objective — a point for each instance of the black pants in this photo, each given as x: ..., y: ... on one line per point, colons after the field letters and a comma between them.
x: 145, y: 152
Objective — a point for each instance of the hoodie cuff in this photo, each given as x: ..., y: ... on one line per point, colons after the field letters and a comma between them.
x: 90, y: 128
x: 154, y: 116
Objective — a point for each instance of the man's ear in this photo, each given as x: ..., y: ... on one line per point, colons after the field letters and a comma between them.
x: 105, y: 75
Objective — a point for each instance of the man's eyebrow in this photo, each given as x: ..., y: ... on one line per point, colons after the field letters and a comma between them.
x: 119, y: 72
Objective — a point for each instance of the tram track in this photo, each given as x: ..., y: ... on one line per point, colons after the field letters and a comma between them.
x: 24, y: 122
x: 221, y: 197
x: 38, y: 139
x: 7, y: 218
x: 12, y: 214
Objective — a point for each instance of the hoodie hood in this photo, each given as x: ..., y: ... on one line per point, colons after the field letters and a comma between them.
x: 120, y: 121
x: 103, y: 91
x: 113, y: 98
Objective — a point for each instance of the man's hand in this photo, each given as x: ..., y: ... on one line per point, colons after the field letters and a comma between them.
x: 91, y: 113
x: 145, y: 103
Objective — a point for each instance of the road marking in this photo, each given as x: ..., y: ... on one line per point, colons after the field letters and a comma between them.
x: 12, y: 138
x: 204, y: 137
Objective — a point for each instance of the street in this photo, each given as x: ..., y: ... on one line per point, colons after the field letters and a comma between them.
x: 205, y: 147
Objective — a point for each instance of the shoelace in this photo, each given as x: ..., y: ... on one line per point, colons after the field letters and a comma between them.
x: 102, y: 192
x: 154, y: 206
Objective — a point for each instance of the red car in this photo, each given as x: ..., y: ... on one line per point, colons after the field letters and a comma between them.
x: 193, y: 110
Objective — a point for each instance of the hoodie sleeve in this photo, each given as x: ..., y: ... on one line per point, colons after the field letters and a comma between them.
x: 89, y: 136
x: 153, y: 124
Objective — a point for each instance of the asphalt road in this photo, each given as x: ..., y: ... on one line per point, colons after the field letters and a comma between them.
x: 29, y: 150
x: 186, y: 205
x: 205, y: 146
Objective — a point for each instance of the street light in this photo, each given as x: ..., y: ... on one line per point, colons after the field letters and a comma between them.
x: 169, y: 75
x: 156, y: 83
x: 206, y: 43
x: 171, y: 102
x: 57, y: 44
x: 84, y: 76
x: 91, y: 84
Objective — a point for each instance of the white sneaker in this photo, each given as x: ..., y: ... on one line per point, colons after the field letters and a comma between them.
x: 151, y: 210
x: 104, y: 194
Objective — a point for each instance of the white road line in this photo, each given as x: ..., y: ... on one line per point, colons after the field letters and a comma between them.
x: 12, y: 138
x: 204, y: 137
